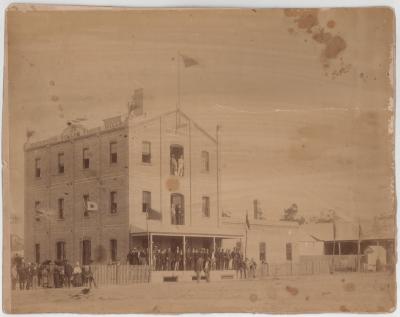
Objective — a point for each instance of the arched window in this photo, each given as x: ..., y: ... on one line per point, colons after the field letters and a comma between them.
x: 176, y: 158
x: 177, y: 209
x: 205, y: 161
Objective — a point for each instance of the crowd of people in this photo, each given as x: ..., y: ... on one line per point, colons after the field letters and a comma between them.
x: 58, y: 274
x: 49, y: 274
x: 169, y: 259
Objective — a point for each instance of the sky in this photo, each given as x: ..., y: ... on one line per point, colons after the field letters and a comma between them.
x: 303, y: 98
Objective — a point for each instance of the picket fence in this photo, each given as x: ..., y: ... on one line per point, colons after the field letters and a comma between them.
x: 116, y: 274
x: 309, y: 265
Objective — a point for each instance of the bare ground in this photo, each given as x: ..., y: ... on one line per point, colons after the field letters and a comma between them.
x: 354, y: 292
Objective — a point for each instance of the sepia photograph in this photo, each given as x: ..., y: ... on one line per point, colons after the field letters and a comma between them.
x: 193, y: 160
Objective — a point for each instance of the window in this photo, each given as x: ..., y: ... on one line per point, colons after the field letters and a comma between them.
x: 61, y: 208
x: 205, y: 161
x: 85, y: 203
x: 113, y: 153
x: 146, y: 152
x: 146, y: 201
x: 177, y: 209
x: 113, y: 250
x: 86, y: 160
x: 37, y: 167
x: 257, y: 209
x: 176, y: 158
x: 263, y: 249
x: 60, y: 250
x: 37, y: 253
x: 206, y: 206
x: 113, y: 202
x: 86, y: 247
x: 60, y: 163
x: 37, y: 210
x: 288, y: 251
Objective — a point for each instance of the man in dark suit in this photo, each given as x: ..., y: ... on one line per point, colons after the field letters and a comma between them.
x: 68, y: 273
x: 199, y: 267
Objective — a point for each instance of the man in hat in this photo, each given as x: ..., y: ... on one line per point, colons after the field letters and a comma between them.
x: 68, y: 271
x: 199, y: 267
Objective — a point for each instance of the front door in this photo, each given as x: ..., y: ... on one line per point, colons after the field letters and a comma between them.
x: 86, y: 252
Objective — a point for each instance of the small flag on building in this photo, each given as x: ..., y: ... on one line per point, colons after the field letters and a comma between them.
x: 153, y: 214
x: 91, y: 206
x: 247, y: 221
x: 39, y: 212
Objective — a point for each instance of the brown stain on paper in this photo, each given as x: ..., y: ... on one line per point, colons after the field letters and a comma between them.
x: 172, y: 184
x: 292, y: 290
x: 333, y: 44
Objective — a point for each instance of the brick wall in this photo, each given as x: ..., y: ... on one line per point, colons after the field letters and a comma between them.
x: 101, y: 178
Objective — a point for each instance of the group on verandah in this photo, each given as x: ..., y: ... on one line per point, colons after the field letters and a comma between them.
x: 49, y: 274
x: 169, y: 259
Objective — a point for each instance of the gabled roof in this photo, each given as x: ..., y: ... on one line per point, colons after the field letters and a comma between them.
x: 180, y: 112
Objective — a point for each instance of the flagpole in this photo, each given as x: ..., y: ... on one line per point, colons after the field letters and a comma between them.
x: 247, y: 224
x: 178, y: 103
x: 178, y: 80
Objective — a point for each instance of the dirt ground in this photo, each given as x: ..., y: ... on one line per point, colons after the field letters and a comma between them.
x: 354, y: 292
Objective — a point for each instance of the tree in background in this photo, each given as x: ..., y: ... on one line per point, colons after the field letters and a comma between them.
x: 291, y: 214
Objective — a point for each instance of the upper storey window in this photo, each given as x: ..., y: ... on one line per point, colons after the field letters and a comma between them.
x: 86, y: 159
x: 37, y: 167
x: 177, y: 209
x: 146, y: 152
x: 177, y: 162
x: 205, y: 161
x: 113, y: 153
x: 61, y: 163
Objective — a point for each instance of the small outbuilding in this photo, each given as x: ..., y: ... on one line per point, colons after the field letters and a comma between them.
x: 375, y: 258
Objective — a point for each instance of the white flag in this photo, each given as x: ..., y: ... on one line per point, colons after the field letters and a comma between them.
x: 91, y: 206
x: 40, y: 212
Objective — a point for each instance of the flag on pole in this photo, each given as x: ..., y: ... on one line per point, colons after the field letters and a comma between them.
x: 247, y: 221
x: 189, y: 61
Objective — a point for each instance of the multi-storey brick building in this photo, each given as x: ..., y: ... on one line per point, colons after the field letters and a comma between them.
x: 60, y: 174
x: 149, y: 181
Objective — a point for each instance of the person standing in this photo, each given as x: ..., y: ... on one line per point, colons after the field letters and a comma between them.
x: 77, y: 273
x: 40, y: 275
x: 180, y: 165
x: 22, y: 275
x: 169, y: 259
x: 14, y: 277
x: 29, y: 276
x: 207, y: 269
x: 50, y: 275
x: 45, y: 275
x: 62, y: 274
x: 253, y: 266
x: 174, y: 166
x: 199, y: 267
x: 88, y: 276
x: 68, y: 270
x: 56, y: 276
x: 35, y: 271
